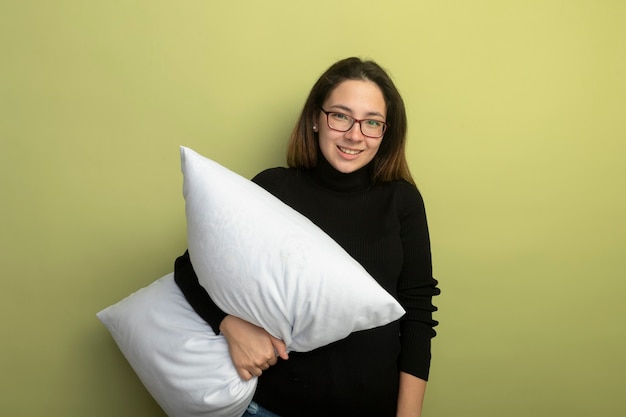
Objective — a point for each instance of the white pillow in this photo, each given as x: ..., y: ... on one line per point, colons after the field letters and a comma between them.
x: 178, y: 358
x: 260, y: 260
x: 264, y: 262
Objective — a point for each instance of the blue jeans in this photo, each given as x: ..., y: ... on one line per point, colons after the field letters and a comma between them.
x: 256, y: 410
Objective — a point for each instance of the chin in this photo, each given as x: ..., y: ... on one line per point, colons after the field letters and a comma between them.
x: 346, y: 168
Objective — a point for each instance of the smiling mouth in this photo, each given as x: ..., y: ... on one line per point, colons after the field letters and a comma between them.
x: 349, y: 151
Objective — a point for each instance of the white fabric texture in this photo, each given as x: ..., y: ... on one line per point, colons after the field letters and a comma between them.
x: 260, y: 260
x: 175, y: 354
x: 266, y: 263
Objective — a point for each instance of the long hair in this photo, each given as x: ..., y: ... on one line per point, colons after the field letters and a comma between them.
x: 390, y: 160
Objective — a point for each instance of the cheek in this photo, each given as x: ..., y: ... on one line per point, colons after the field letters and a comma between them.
x: 325, y: 137
x: 374, y: 147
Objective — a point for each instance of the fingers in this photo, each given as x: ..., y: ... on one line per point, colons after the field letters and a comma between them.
x: 271, y: 361
x: 247, y: 370
x: 244, y: 375
x: 248, y: 374
x: 252, y: 349
x: 279, y: 348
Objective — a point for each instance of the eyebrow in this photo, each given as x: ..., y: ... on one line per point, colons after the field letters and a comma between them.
x: 349, y: 110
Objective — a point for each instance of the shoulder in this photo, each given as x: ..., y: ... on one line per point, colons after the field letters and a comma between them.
x: 406, y: 196
x: 405, y: 192
x: 273, y: 178
x: 270, y: 173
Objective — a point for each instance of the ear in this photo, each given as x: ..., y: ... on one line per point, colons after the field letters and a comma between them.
x: 316, y: 120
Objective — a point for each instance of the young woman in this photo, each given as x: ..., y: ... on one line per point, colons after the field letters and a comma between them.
x: 348, y: 174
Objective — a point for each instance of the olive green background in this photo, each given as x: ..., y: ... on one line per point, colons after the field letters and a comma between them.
x: 517, y: 139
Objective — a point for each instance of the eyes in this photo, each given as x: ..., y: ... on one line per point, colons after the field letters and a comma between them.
x: 344, y: 118
x: 339, y: 116
x: 342, y: 122
x: 373, y: 123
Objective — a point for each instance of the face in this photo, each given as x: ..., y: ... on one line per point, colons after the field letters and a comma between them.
x: 351, y: 150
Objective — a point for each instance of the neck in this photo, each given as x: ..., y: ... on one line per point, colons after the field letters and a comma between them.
x: 327, y: 176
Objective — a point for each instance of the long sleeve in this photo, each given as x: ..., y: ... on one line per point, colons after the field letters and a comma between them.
x: 416, y: 286
x: 196, y: 295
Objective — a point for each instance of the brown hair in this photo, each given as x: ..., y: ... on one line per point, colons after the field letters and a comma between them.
x: 390, y: 160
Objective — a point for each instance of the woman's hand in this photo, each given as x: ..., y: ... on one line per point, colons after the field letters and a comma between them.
x: 252, y: 349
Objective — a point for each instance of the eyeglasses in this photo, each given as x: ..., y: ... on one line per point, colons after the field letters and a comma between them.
x: 342, y: 123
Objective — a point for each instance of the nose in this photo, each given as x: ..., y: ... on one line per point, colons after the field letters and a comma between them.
x: 354, y: 133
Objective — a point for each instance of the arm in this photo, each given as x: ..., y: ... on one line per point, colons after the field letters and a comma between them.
x: 195, y: 294
x: 416, y: 287
x: 410, y: 395
x: 251, y: 348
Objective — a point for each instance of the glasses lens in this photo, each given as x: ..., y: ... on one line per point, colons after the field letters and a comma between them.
x: 373, y: 128
x: 340, y: 121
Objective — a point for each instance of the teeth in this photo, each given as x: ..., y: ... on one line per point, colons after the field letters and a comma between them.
x: 349, y: 151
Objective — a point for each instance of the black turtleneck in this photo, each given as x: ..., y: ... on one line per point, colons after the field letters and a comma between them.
x: 384, y: 228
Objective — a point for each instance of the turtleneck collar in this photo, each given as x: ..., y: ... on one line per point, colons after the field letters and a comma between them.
x: 327, y: 176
